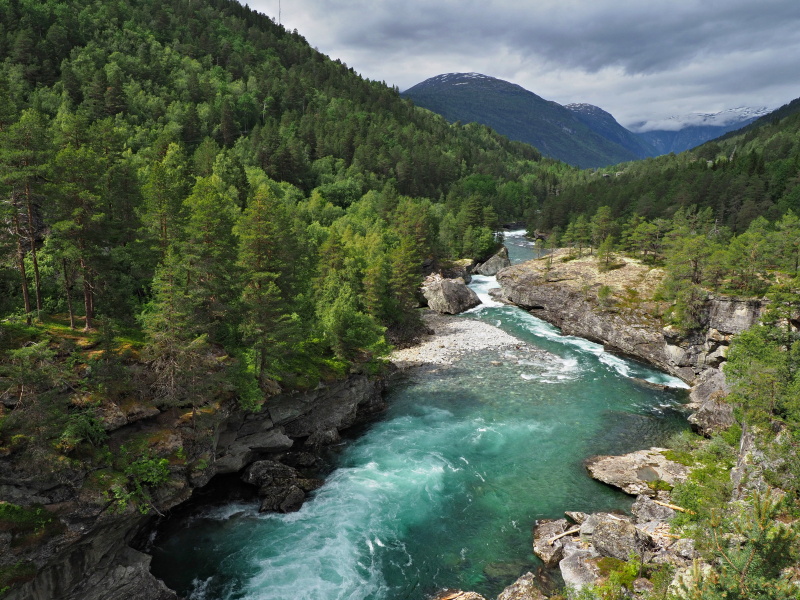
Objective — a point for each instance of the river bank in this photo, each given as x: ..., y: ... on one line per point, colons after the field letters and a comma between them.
x: 450, y: 338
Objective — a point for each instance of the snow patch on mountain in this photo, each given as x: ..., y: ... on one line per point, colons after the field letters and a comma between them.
x: 741, y: 114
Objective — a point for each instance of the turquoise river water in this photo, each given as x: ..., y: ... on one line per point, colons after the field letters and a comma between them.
x: 443, y: 490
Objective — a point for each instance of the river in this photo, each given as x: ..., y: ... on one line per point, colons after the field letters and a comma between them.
x: 442, y: 491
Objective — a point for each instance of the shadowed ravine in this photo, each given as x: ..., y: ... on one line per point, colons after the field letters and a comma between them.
x: 443, y: 490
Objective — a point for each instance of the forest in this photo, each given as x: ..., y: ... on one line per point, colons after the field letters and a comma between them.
x: 197, y: 204
x: 177, y: 167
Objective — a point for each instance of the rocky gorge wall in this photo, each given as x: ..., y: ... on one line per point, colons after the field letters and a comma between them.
x: 626, y: 321
x: 90, y: 557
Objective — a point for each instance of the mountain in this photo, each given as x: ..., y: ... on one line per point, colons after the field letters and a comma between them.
x: 579, y: 134
x: 679, y: 133
x: 521, y: 115
x: 606, y: 125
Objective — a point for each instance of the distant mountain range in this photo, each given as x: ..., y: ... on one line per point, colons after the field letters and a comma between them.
x: 579, y: 134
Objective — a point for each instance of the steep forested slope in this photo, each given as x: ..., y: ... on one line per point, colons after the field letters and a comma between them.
x: 739, y: 177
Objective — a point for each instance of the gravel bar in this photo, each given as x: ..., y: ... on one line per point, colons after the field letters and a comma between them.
x: 452, y: 337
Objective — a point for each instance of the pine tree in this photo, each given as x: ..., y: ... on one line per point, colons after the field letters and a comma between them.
x: 208, y: 251
x: 267, y: 323
x: 24, y: 155
x: 164, y: 190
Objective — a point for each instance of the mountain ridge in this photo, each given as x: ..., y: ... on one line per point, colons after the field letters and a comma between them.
x: 578, y: 133
x: 518, y: 114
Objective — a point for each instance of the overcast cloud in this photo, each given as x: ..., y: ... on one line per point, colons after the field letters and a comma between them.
x: 641, y: 60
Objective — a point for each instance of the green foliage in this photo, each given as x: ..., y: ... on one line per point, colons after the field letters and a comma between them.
x: 139, y: 475
x: 751, y: 560
x: 82, y: 427
x: 19, y: 519
x: 709, y: 485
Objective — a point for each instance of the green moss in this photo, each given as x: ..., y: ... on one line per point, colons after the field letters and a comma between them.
x: 28, y: 524
x: 659, y: 485
x: 13, y: 575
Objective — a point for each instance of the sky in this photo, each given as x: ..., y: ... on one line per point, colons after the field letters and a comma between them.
x: 641, y: 60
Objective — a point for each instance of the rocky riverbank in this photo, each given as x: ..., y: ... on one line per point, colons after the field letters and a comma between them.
x: 86, y: 553
x: 618, y: 308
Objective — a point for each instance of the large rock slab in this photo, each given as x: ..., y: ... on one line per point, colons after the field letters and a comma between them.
x: 492, y: 266
x: 633, y: 472
x: 546, y: 529
x: 578, y: 568
x: 523, y: 588
x: 450, y: 296
x: 620, y: 539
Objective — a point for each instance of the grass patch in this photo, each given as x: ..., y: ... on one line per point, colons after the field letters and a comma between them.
x: 28, y: 524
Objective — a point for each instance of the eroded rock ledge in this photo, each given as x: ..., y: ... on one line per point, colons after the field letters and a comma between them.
x: 91, y: 557
x: 616, y: 308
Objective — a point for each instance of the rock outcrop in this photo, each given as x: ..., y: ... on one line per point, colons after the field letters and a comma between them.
x: 88, y: 555
x: 638, y: 472
x: 449, y: 296
x: 496, y: 263
x: 524, y: 588
x: 566, y: 295
x: 551, y: 552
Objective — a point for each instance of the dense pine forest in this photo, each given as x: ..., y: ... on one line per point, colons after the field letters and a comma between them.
x: 198, y: 205
x: 193, y: 170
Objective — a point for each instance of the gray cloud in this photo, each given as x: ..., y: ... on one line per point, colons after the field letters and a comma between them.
x: 639, y: 60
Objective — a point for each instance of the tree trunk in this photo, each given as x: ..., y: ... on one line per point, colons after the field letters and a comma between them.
x: 32, y: 242
x: 88, y: 296
x: 21, y: 265
x: 67, y: 287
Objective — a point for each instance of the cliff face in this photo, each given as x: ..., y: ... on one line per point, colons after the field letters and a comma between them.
x: 87, y: 556
x: 625, y: 318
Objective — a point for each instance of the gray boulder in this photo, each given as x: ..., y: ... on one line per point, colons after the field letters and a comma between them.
x: 281, y: 488
x: 450, y: 296
x: 578, y: 569
x: 523, y: 588
x: 620, y: 539
x: 546, y: 529
x: 645, y: 510
x: 593, y: 520
x: 713, y: 416
x: 496, y: 263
